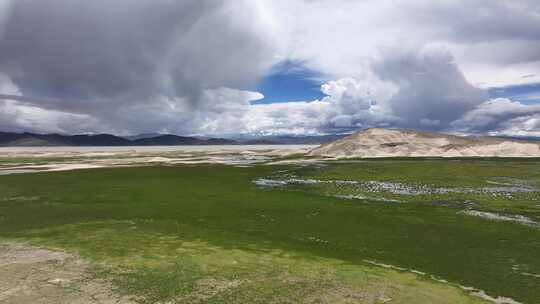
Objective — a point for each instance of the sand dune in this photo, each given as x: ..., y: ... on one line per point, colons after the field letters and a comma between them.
x: 378, y: 142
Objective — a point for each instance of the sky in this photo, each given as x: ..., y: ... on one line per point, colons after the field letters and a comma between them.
x: 269, y: 67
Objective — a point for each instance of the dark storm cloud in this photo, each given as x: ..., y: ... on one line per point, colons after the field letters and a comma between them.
x: 126, y: 50
x: 89, y: 48
x: 432, y: 90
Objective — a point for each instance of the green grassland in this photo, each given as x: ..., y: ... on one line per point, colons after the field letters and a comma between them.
x: 208, y: 234
x: 443, y: 172
x: 448, y: 173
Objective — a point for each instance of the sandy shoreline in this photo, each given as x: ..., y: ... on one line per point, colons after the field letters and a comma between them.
x: 80, y: 149
x: 39, y: 159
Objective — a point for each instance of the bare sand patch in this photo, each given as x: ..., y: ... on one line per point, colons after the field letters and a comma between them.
x: 36, y: 275
x: 73, y: 158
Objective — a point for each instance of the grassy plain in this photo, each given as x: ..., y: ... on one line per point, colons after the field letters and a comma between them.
x: 208, y: 234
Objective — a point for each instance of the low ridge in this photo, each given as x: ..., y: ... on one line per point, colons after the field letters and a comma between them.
x: 380, y: 142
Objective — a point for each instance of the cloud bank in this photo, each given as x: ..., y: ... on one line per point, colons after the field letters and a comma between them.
x: 189, y: 67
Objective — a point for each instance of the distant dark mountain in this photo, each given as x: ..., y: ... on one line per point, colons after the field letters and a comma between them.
x: 141, y: 136
x: 10, y: 137
x: 97, y: 140
x: 175, y: 140
x: 31, y: 139
x: 167, y: 139
x: 220, y: 141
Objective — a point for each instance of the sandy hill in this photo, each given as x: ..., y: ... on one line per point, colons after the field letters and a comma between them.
x: 379, y: 142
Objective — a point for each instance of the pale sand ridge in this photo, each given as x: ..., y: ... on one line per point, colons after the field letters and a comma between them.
x: 378, y: 142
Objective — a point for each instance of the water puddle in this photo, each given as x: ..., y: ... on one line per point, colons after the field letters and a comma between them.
x: 501, y: 217
x: 397, y: 188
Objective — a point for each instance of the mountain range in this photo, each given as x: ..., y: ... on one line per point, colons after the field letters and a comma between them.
x: 152, y: 139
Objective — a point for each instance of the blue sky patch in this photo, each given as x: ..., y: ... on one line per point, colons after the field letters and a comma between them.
x: 526, y: 93
x: 290, y: 81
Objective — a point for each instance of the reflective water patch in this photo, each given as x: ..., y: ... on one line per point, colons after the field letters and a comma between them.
x: 501, y: 217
